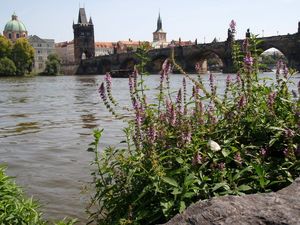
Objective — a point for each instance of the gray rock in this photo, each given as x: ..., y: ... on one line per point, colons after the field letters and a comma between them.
x: 277, y: 208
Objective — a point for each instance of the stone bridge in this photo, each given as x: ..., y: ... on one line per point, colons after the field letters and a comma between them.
x: 188, y: 56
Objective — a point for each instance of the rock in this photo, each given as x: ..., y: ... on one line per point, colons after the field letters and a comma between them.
x: 276, y: 208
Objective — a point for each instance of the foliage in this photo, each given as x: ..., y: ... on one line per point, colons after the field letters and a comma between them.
x: 52, y: 65
x: 180, y: 150
x: 7, y: 67
x: 17, y: 209
x: 270, y: 60
x: 23, y: 56
x: 5, y: 47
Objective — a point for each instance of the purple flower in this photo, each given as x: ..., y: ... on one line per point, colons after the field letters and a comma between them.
x: 197, y: 159
x: 166, y: 67
x: 271, y: 99
x: 152, y: 134
x: 232, y: 26
x: 286, y: 152
x: 248, y: 60
x: 289, y: 133
x: 242, y: 102
x: 238, y: 158
x: 101, y: 91
x: 263, y: 152
x: 238, y: 79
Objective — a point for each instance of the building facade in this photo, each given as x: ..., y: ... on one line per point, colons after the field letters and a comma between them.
x: 42, y: 48
x: 104, y: 48
x: 15, y: 29
x: 65, y: 51
x: 159, y: 36
x: 84, y: 43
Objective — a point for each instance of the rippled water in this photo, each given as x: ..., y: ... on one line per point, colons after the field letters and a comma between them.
x: 45, y: 128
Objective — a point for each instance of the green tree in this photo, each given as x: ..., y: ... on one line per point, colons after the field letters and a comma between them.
x: 7, y: 67
x: 23, y: 56
x: 52, y: 65
x: 5, y: 47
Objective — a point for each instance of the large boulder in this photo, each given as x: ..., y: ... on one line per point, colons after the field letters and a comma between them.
x: 277, y: 208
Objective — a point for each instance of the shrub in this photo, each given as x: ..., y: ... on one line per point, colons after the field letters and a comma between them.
x: 7, y: 67
x: 195, y: 147
x: 15, y: 208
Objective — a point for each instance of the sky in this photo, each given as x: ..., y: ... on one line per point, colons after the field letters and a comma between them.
x: 116, y: 20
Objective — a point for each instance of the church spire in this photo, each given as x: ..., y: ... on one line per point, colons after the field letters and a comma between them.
x: 159, y: 23
x: 90, y: 22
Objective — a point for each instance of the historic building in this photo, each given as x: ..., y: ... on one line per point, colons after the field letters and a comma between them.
x: 159, y: 36
x: 42, y: 48
x: 65, y: 51
x: 15, y: 29
x: 84, y: 43
x: 104, y: 48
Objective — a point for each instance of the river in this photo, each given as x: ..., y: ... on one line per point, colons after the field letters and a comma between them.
x: 46, y: 125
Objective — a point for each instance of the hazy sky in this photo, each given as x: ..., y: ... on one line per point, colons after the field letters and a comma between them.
x: 136, y: 19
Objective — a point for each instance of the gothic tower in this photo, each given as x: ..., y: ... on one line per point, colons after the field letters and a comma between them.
x: 84, y: 43
x: 159, y: 35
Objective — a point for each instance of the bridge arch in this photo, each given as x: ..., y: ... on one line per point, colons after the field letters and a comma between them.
x: 270, y: 57
x: 155, y: 64
x: 206, y: 59
x: 128, y: 64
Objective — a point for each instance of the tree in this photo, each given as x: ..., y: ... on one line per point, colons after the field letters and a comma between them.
x: 5, y: 47
x: 23, y: 56
x: 52, y: 65
x: 7, y: 67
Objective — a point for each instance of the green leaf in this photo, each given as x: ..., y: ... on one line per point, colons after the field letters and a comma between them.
x: 225, y: 152
x: 170, y: 181
x: 182, y: 206
x: 244, y: 187
x: 179, y: 160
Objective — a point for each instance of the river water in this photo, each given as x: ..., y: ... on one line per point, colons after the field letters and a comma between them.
x: 46, y: 125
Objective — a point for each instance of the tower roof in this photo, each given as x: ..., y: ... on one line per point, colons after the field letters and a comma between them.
x: 14, y: 25
x: 159, y: 24
x: 82, y: 16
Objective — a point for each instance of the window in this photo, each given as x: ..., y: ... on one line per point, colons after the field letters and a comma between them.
x: 41, y: 66
x: 40, y: 58
x: 39, y: 45
x: 9, y: 36
x: 18, y: 35
x: 39, y: 51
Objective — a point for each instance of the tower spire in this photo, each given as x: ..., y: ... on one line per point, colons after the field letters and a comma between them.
x: 159, y: 22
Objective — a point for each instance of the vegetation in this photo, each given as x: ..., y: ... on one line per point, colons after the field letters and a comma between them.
x: 52, y: 65
x: 7, y: 67
x: 17, y: 209
x: 188, y: 148
x: 17, y: 58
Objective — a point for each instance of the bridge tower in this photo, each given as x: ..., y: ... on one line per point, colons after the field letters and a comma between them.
x: 159, y: 36
x: 84, y: 43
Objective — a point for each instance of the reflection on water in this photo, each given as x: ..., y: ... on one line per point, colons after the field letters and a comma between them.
x: 45, y: 128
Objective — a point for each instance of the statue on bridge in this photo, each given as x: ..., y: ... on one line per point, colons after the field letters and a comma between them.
x: 248, y: 33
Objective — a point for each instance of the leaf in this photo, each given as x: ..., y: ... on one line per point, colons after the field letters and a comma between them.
x: 225, y: 152
x: 244, y: 187
x: 170, y: 181
x: 179, y: 160
x: 220, y: 185
x: 189, y: 195
x: 182, y: 206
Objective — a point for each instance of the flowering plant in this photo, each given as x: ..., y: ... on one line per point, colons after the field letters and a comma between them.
x: 188, y: 148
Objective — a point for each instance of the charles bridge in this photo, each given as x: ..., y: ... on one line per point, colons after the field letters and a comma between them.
x: 188, y: 56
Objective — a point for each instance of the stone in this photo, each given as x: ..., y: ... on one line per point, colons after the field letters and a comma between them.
x: 276, y: 208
